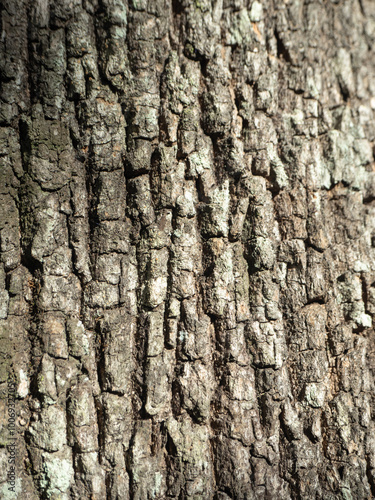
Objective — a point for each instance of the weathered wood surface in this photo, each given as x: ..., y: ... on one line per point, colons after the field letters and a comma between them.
x: 187, y: 238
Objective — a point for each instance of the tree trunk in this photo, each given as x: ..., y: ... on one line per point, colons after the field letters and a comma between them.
x: 187, y: 249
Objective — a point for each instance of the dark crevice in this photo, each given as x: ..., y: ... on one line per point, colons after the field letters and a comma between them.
x: 101, y: 427
x: 316, y: 300
x: 177, y: 7
x: 370, y: 476
x: 368, y: 200
x: 99, y: 353
x: 344, y: 92
x: 282, y: 51
x: 139, y: 373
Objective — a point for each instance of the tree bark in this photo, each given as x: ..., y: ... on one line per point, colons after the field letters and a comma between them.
x: 187, y: 230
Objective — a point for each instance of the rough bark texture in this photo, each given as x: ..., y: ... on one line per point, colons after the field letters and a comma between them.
x: 187, y: 248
